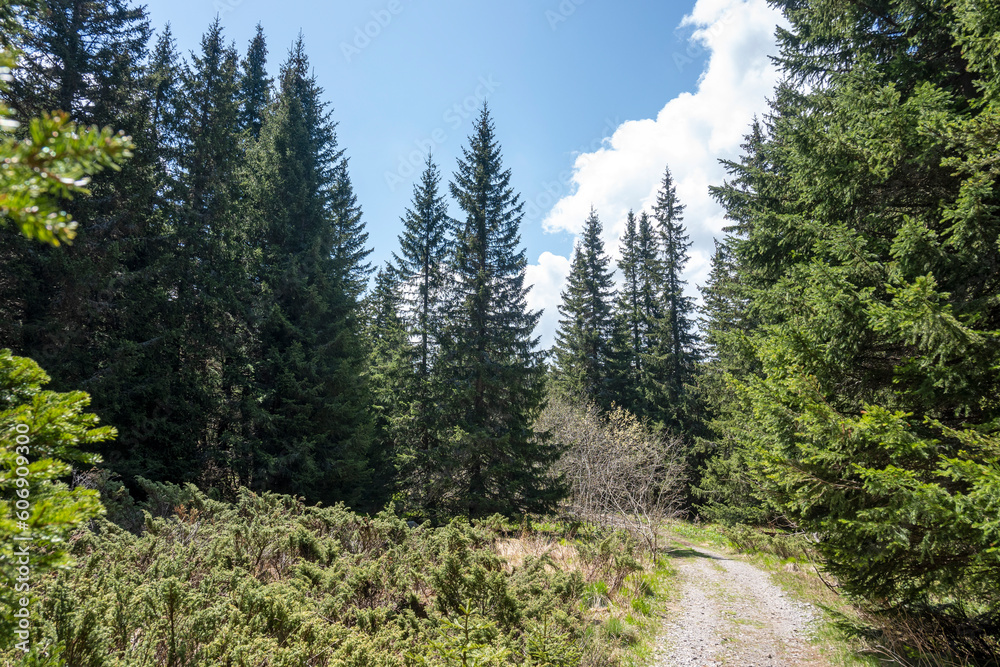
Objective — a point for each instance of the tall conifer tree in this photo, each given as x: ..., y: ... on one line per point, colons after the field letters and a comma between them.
x: 625, y: 337
x: 422, y: 265
x: 162, y: 82
x: 351, y: 249
x: 636, y: 312
x: 495, y: 463
x: 582, y: 350
x: 395, y: 386
x: 255, y: 85
x: 94, y: 316
x: 315, y: 431
x: 422, y: 262
x: 866, y: 239
x: 672, y: 355
x: 210, y: 272
x: 628, y: 306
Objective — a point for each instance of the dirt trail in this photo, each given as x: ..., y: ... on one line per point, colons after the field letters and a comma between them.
x: 729, y: 613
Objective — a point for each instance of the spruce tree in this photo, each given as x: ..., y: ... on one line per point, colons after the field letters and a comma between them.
x: 255, y: 85
x: 314, y: 426
x: 424, y: 248
x: 93, y: 315
x: 628, y: 311
x: 422, y: 267
x: 495, y: 461
x: 650, y: 278
x: 350, y: 238
x: 672, y: 356
x: 83, y: 59
x: 582, y: 350
x: 636, y: 312
x: 162, y: 82
x: 866, y: 245
x: 722, y: 487
x: 395, y: 386
x: 211, y: 270
x: 628, y: 330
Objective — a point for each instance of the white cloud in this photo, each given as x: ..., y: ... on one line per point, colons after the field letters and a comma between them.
x: 691, y: 134
x: 547, y: 277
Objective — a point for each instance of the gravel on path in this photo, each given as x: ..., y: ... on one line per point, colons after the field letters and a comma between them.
x: 729, y: 613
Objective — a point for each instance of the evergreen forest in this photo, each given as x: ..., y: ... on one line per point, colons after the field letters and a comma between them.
x: 233, y: 440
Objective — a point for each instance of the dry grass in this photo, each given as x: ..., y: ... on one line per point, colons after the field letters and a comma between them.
x: 561, y: 556
x: 622, y: 577
x: 627, y: 587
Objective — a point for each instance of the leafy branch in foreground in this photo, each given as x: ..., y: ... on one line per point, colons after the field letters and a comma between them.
x: 39, y: 432
x: 52, y: 161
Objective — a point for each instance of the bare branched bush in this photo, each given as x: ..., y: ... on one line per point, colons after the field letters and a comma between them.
x: 621, y: 474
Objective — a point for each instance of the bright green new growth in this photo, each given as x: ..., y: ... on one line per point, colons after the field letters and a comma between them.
x: 51, y: 160
x: 40, y: 433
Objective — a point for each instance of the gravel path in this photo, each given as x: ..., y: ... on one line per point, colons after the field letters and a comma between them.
x: 729, y: 613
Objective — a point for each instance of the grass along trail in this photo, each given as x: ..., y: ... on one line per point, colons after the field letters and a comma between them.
x: 728, y: 612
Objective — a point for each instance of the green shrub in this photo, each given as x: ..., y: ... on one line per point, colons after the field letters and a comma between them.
x: 41, y: 432
x: 270, y: 580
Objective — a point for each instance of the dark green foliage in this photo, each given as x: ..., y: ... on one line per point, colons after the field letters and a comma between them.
x: 673, y: 354
x: 494, y: 461
x: 421, y: 268
x: 636, y: 310
x: 863, y: 340
x: 97, y: 47
x: 350, y: 238
x: 269, y: 579
x: 910, y: 41
x: 654, y: 346
x: 209, y: 273
x: 422, y: 262
x: 90, y: 313
x: 162, y: 81
x: 255, y: 85
x: 83, y: 59
x: 314, y: 429
x: 627, y: 330
x: 396, y: 387
x: 726, y: 488
x: 583, y: 342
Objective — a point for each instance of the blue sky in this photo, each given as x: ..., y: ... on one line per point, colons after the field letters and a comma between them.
x: 591, y: 100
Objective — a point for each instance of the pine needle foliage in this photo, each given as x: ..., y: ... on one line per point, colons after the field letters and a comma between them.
x: 42, y: 433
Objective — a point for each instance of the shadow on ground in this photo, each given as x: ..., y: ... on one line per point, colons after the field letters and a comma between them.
x: 690, y: 553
